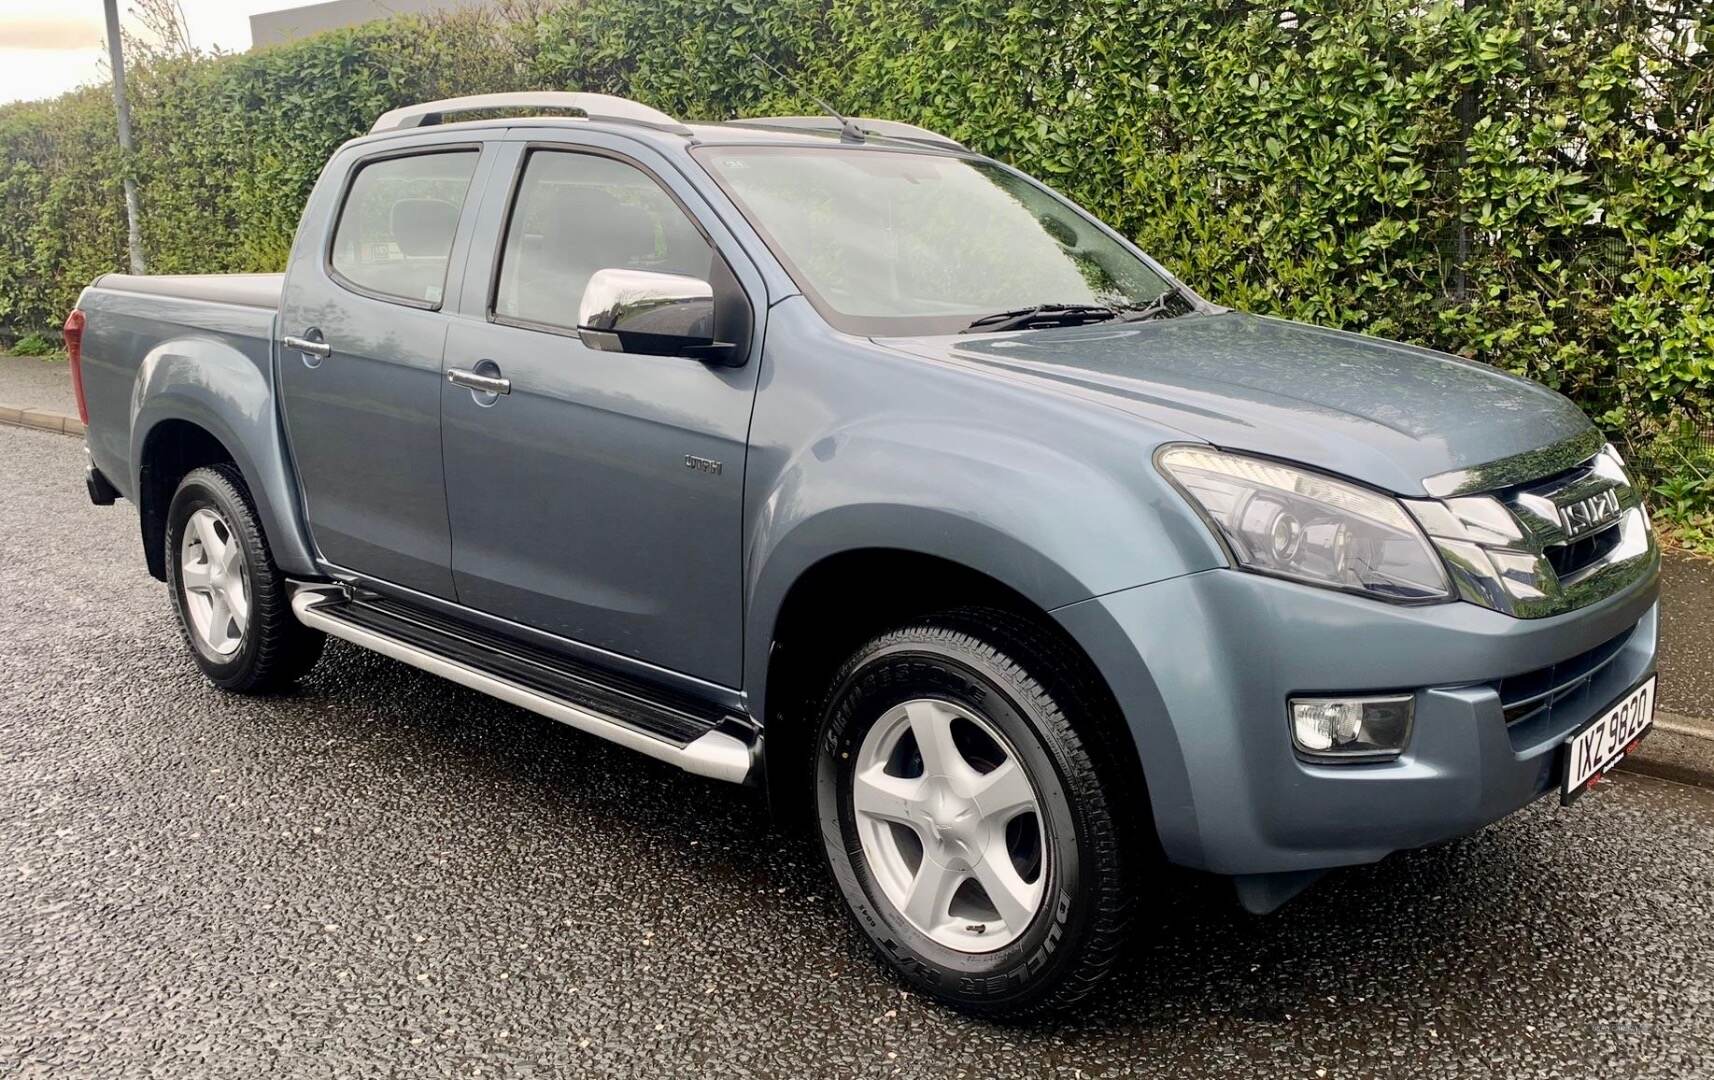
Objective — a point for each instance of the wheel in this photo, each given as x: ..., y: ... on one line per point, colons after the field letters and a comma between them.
x: 232, y: 602
x: 970, y: 832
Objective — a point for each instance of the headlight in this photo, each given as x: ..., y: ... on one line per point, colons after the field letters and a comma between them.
x: 1302, y: 525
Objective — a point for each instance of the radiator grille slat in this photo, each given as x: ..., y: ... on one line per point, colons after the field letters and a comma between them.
x: 1529, y: 694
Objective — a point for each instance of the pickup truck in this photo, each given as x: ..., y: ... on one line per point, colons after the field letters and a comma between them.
x: 830, y: 457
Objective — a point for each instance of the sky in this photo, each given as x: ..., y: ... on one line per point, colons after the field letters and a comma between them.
x: 50, y: 46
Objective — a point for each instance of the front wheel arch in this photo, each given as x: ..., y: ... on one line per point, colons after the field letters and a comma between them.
x: 876, y: 590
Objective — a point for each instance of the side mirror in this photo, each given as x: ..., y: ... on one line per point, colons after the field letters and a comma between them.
x: 640, y: 311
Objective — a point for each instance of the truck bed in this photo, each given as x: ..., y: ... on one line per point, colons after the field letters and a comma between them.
x: 244, y: 290
x: 196, y: 347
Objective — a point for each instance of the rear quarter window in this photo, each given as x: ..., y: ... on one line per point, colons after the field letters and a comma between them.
x: 395, y: 230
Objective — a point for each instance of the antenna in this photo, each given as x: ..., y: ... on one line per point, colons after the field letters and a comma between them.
x: 848, y: 129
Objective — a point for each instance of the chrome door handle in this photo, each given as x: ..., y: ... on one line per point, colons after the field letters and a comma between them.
x: 319, y: 349
x: 486, y: 384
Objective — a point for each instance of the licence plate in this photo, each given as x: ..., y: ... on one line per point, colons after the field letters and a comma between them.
x: 1592, y: 752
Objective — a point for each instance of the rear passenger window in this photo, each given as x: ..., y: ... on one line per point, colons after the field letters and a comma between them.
x: 395, y: 231
x: 579, y: 213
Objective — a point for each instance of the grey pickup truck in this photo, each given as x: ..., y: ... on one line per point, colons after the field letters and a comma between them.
x: 830, y: 457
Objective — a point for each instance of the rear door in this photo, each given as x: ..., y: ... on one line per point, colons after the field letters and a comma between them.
x: 601, y: 499
x: 360, y: 362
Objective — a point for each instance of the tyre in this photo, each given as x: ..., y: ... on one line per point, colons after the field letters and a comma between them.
x: 232, y: 602
x: 963, y: 816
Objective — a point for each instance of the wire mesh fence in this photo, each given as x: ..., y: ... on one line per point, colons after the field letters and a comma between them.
x: 1686, y: 452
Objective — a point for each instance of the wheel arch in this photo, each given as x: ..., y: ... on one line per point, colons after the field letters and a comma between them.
x: 859, y: 539
x: 170, y: 450
x: 800, y: 655
x: 199, y: 401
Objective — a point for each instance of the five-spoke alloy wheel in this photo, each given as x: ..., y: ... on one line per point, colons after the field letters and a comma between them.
x: 968, y: 825
x: 950, y: 824
x: 216, y: 583
x: 232, y: 601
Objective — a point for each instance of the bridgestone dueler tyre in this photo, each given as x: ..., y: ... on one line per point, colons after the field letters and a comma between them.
x: 990, y: 673
x: 270, y: 649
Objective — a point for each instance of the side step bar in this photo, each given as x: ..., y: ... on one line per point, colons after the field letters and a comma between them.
x: 707, y: 744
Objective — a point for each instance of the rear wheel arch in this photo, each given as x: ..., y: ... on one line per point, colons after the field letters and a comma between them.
x: 170, y: 451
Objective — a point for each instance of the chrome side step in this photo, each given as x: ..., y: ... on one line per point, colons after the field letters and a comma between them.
x: 711, y: 752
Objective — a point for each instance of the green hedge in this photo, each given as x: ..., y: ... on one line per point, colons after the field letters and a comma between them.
x: 1530, y: 182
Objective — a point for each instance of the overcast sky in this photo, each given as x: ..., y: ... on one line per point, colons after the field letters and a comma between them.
x: 50, y: 46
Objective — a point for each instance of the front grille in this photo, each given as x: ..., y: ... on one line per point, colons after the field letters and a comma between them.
x: 1568, y: 559
x: 1534, y: 692
x: 1543, y: 546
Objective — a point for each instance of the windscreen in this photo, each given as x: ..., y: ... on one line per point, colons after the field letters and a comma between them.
x: 896, y: 242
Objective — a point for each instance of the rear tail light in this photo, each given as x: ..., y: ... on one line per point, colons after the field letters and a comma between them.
x: 74, y: 352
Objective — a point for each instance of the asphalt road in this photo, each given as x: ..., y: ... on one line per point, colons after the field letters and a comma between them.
x: 1687, y: 636
x: 385, y: 875
x: 28, y: 382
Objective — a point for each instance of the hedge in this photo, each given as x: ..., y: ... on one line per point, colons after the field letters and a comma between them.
x: 1527, y: 182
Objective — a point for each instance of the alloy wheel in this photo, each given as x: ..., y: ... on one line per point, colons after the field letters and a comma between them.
x: 215, y: 581
x: 951, y: 825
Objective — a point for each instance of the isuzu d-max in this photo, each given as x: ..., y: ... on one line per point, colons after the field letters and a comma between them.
x: 831, y: 457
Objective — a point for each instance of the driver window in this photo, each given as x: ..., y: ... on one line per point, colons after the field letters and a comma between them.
x: 578, y: 213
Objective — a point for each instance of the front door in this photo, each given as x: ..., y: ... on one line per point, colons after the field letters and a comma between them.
x: 360, y: 366
x: 600, y: 498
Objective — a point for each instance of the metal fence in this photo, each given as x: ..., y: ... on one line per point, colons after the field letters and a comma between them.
x: 1686, y: 452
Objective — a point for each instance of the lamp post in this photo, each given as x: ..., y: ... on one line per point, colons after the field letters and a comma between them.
x: 116, y: 52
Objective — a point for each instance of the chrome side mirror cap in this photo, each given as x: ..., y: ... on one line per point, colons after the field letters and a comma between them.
x: 641, y: 311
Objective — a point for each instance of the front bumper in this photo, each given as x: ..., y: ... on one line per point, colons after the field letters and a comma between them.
x: 1202, y: 666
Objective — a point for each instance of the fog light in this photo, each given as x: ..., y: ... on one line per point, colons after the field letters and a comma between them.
x: 1351, y: 728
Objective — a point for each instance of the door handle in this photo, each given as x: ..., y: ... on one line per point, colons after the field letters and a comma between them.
x: 321, y: 350
x: 484, y: 384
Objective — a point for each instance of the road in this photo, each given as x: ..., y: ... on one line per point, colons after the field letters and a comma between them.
x: 30, y: 383
x: 1686, y: 638
x: 385, y: 875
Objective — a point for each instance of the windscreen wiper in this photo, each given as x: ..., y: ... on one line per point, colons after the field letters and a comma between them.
x: 1160, y: 306
x: 1042, y: 315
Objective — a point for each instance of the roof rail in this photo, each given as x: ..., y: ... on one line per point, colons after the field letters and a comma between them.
x: 886, y: 129
x: 592, y: 106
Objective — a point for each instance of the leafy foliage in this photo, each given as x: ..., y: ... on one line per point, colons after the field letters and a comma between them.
x: 1526, y: 182
x: 34, y: 345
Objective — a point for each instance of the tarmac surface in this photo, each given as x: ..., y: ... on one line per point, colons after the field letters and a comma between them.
x: 383, y: 874
x: 1687, y: 636
x: 29, y: 382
